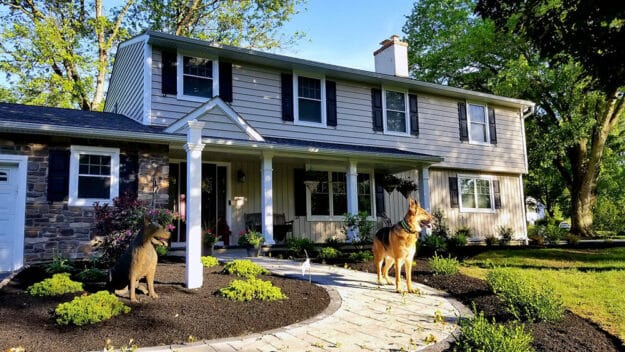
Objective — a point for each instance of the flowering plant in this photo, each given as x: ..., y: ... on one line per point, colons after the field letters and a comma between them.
x: 209, y: 236
x: 164, y: 217
x: 250, y: 239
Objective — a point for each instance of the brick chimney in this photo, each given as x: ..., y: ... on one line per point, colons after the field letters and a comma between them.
x: 392, y: 57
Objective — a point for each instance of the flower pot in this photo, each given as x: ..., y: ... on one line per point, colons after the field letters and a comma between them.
x: 253, y: 252
x: 208, y: 250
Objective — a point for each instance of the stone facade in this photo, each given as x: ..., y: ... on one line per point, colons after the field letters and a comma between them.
x: 54, y: 228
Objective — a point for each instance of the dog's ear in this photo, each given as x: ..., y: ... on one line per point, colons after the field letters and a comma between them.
x: 146, y: 220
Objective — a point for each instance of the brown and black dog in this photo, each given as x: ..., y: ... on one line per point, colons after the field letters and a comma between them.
x: 397, y: 244
x: 139, y: 261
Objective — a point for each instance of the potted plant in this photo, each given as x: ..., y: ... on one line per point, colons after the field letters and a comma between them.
x: 252, y: 241
x: 406, y: 187
x: 390, y: 182
x: 209, y: 238
x: 311, y: 180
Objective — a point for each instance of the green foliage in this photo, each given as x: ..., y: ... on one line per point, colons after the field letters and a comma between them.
x: 161, y: 250
x: 524, y: 300
x: 89, y: 309
x: 328, y: 253
x: 359, y: 222
x: 439, y: 224
x: 505, y: 234
x: 436, y: 243
x: 536, y: 235
x: 490, y: 240
x: 609, y: 212
x: 58, y: 284
x: 334, y: 242
x: 444, y: 266
x: 478, y: 334
x: 244, y: 267
x: 298, y: 245
x: 251, y: 239
x: 553, y: 233
x: 209, y: 261
x: 459, y: 239
x: 571, y: 238
x: 250, y: 289
x: 92, y: 275
x: 361, y: 256
x: 59, y: 264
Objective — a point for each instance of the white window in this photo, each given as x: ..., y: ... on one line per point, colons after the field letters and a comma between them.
x: 478, y: 124
x: 198, y: 78
x: 309, y: 100
x: 396, y: 112
x: 94, y: 175
x: 329, y: 199
x: 476, y: 193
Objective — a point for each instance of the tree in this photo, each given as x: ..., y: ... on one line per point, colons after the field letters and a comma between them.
x: 573, y: 117
x: 59, y: 52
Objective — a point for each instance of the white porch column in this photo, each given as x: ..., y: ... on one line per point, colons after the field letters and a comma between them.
x: 194, y: 271
x: 352, y: 194
x: 424, y: 192
x: 266, y: 197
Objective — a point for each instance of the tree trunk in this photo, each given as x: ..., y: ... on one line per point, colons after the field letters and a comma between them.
x: 582, y: 203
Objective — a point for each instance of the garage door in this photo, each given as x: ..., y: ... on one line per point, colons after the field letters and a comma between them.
x: 11, y: 222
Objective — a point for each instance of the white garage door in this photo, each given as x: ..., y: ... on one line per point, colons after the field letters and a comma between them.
x: 11, y: 222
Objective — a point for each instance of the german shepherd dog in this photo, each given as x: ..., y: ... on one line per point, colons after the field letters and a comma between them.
x: 139, y: 261
x: 397, y: 244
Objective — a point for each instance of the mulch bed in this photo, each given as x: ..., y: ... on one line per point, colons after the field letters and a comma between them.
x: 178, y: 316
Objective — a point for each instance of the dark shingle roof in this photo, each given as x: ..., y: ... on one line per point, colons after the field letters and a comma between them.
x: 42, y: 115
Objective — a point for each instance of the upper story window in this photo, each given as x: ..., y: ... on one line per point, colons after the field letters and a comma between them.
x: 395, y: 112
x: 476, y: 193
x: 310, y: 100
x: 197, y: 78
x: 478, y: 124
x: 94, y: 175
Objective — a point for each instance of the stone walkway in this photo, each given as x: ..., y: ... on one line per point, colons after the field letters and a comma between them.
x: 362, y: 316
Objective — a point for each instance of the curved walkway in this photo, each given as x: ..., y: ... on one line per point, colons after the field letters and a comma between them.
x: 362, y: 316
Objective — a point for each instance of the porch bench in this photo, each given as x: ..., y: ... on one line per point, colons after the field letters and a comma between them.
x: 280, y: 226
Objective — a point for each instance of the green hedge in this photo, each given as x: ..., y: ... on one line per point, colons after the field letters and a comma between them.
x: 250, y: 289
x: 58, y: 284
x: 90, y: 309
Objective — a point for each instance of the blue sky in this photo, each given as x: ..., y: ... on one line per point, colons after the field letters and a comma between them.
x: 346, y: 32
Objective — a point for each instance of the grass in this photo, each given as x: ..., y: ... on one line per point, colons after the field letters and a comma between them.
x: 588, y: 280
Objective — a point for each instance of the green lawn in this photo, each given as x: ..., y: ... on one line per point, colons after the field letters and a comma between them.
x: 591, y: 282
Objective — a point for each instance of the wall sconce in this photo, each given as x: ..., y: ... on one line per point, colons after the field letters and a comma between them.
x: 241, y: 176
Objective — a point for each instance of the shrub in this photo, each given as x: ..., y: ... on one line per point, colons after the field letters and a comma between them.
x: 298, y: 245
x: 334, y: 242
x: 571, y: 238
x: 244, y: 267
x: 490, y: 240
x: 522, y: 299
x: 58, y: 284
x: 478, y: 334
x: 439, y: 225
x: 59, y: 264
x: 250, y: 239
x: 209, y: 262
x: 361, y: 256
x: 92, y: 275
x: 89, y: 309
x: 436, y: 243
x: 553, y: 233
x: 444, y: 266
x: 250, y: 289
x: 329, y: 253
x: 536, y: 235
x: 359, y: 222
x: 161, y: 250
x: 456, y: 241
x: 505, y: 235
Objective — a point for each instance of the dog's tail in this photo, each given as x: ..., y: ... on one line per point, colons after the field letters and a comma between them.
x: 383, y: 235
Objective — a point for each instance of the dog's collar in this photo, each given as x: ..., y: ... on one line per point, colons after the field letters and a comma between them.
x: 406, y: 227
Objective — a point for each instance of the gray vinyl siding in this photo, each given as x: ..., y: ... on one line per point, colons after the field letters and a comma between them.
x: 126, y: 84
x: 257, y: 98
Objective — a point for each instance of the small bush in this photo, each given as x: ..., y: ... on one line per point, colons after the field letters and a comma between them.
x: 478, y: 334
x: 250, y: 289
x: 439, y: 225
x: 522, y: 299
x: 244, y: 268
x: 456, y: 241
x: 444, y: 266
x: 298, y: 245
x: 329, y: 253
x: 505, y: 235
x: 536, y: 235
x: 490, y: 240
x: 161, y: 250
x: 92, y: 275
x: 89, y: 309
x: 59, y: 264
x: 571, y: 238
x: 334, y: 242
x: 553, y: 233
x: 436, y: 243
x: 58, y: 284
x: 209, y: 262
x: 361, y: 257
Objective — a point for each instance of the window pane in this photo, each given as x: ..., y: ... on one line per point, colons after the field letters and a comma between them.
x: 309, y: 88
x: 395, y: 101
x: 309, y: 110
x: 395, y: 121
x: 478, y: 132
x: 364, y: 193
x: 477, y: 113
x: 467, y: 193
x: 319, y: 204
x: 94, y: 187
x: 483, y: 201
x: 197, y: 66
x: 198, y: 87
x: 339, y: 193
x: 483, y: 194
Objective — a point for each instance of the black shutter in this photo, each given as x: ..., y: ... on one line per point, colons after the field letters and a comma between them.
x: 331, y: 103
x: 379, y: 195
x: 225, y: 81
x: 58, y: 175
x: 414, y: 114
x: 287, y: 96
x: 491, y: 125
x: 169, y: 72
x: 376, y: 107
x: 462, y: 119
x: 497, y: 194
x: 453, y: 192
x: 128, y: 174
x: 299, y: 192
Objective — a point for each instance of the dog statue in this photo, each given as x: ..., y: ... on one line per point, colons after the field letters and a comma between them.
x: 397, y: 244
x: 139, y: 261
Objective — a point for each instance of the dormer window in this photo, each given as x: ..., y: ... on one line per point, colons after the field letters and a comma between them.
x: 197, y: 77
x: 310, y: 104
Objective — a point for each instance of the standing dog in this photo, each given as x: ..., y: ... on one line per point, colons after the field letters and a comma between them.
x: 397, y: 244
x: 139, y: 261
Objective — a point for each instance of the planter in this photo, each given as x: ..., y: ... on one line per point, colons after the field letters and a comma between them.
x: 312, y: 185
x: 253, y: 252
x: 208, y: 250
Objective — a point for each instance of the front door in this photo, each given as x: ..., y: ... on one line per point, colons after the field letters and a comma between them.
x: 11, y: 217
x: 214, y: 199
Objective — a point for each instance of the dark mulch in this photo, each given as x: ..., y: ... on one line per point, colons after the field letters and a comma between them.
x: 174, y: 317
x: 572, y: 334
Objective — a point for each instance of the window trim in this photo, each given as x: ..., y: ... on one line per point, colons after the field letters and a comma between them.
x: 180, y: 77
x: 486, y: 123
x: 406, y: 111
x: 76, y: 151
x: 324, y: 118
x: 490, y: 180
x: 334, y: 217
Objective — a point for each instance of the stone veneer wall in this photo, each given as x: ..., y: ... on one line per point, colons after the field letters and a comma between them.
x: 54, y: 228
